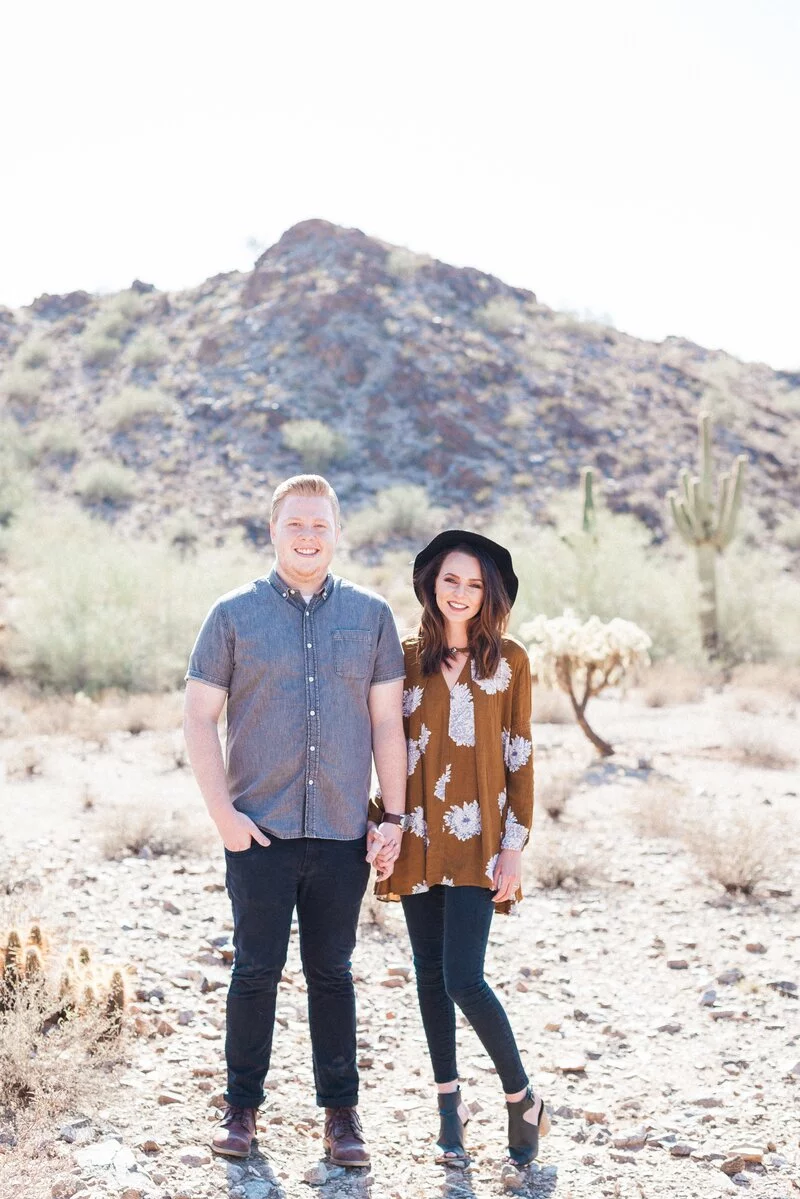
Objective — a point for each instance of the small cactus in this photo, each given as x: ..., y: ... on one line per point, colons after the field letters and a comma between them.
x: 84, y: 956
x: 589, y: 523
x: 34, y: 966
x: 13, y: 967
x: 36, y: 936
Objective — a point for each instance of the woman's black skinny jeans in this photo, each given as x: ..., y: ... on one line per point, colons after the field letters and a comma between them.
x: 449, y: 928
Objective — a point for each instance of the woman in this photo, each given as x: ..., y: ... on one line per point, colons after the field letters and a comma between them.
x: 469, y: 806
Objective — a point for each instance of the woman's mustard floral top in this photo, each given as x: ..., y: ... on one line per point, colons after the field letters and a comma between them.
x: 470, y: 773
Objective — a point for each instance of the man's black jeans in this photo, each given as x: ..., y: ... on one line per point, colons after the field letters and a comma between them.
x: 325, y: 881
x: 449, y: 928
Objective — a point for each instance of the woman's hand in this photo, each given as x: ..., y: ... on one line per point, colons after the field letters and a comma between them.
x: 507, y: 874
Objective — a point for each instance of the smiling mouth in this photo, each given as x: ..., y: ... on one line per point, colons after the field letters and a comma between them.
x: 306, y: 553
x: 458, y: 607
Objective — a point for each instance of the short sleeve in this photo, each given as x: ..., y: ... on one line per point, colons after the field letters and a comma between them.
x: 389, y: 662
x: 211, y: 660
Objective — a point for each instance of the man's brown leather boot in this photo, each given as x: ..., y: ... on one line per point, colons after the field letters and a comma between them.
x: 344, y: 1138
x: 235, y: 1131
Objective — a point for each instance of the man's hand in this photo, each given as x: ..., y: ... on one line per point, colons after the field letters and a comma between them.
x: 238, y: 830
x: 507, y: 874
x: 383, y: 847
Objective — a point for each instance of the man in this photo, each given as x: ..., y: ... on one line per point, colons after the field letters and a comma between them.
x: 312, y: 670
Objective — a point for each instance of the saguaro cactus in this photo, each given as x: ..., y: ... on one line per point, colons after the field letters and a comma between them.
x: 708, y: 523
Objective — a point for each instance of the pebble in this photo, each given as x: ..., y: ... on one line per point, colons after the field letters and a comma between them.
x: 316, y: 1176
x: 732, y: 1165
x: 166, y: 1097
x: 672, y: 1026
x: 196, y: 1157
x: 728, y: 977
x: 571, y: 1065
x: 65, y: 1188
x: 678, y: 964
x: 170, y: 907
x: 708, y: 998
x: 394, y: 980
x: 706, y: 1101
x: 682, y: 1149
x: 755, y: 947
x: 788, y: 989
x: 511, y: 1178
x: 258, y: 1188
x: 595, y: 1116
x: 626, y: 1159
x: 748, y: 1153
x: 634, y: 1138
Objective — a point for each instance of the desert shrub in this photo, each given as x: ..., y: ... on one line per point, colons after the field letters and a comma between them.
x: 22, y: 386
x: 316, y: 443
x: 106, y: 483
x: 132, y: 406
x: 14, y: 476
x: 737, y: 850
x: 670, y: 682
x: 556, y: 859
x: 57, y: 439
x: 403, y: 263
x: 148, y: 349
x: 403, y: 511
x: 101, y: 340
x: 96, y: 610
x: 788, y: 532
x: 33, y: 354
x: 127, y: 305
x: 657, y: 810
x: 756, y: 748
x: 759, y: 607
x: 501, y: 314
x: 553, y: 792
x: 551, y: 706
x: 98, y: 349
x: 152, y: 831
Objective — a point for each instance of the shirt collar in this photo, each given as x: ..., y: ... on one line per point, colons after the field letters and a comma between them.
x: 293, y: 595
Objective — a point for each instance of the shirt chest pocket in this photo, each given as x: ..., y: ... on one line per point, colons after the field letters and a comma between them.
x: 352, y: 653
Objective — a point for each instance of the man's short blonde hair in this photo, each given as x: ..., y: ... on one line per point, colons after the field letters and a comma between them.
x: 305, y: 485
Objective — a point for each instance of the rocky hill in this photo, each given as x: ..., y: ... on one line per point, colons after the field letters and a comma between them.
x: 420, y: 373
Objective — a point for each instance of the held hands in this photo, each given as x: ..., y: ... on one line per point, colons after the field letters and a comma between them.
x: 238, y: 830
x: 507, y: 875
x: 383, y: 847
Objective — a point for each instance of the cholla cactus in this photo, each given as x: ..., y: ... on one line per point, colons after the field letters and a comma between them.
x: 583, y: 658
x: 13, y: 970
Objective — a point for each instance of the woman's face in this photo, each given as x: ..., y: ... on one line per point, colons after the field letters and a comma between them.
x: 459, y: 587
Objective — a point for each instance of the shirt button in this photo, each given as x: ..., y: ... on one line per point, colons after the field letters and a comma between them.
x: 311, y: 782
x: 308, y: 645
x: 312, y: 712
x: 285, y: 594
x: 291, y: 592
x: 312, y: 748
x: 311, y: 678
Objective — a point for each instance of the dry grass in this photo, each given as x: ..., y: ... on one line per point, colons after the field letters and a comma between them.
x: 151, y: 832
x: 61, y: 1036
x: 670, y: 683
x: 739, y: 851
x: 756, y: 748
x: 554, y: 790
x: 658, y: 810
x: 774, y: 678
x: 551, y: 707
x: 558, y: 860
x: 26, y: 762
x: 29, y: 712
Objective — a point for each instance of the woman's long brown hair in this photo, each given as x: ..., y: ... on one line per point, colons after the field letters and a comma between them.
x: 483, y: 631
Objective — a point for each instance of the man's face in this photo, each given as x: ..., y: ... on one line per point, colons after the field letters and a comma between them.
x: 304, y: 534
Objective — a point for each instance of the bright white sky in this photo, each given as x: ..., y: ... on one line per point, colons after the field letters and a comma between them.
x: 627, y: 157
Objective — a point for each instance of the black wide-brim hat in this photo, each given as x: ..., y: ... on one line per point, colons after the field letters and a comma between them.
x: 451, y: 539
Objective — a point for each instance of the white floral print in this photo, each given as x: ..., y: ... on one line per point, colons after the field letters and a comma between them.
x: 442, y: 781
x: 462, y: 715
x: 420, y: 888
x: 412, y: 698
x: 501, y: 799
x: 515, y: 834
x: 464, y: 821
x: 490, y: 865
x: 415, y: 823
x: 516, y: 751
x: 499, y: 680
x: 416, y: 747
x: 447, y: 882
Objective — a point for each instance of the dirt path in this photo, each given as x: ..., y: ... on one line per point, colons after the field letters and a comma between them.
x: 654, y: 1083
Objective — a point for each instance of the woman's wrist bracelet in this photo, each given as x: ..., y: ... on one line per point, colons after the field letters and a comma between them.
x: 393, y: 818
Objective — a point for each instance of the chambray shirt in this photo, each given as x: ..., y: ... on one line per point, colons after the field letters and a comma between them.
x: 299, y: 740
